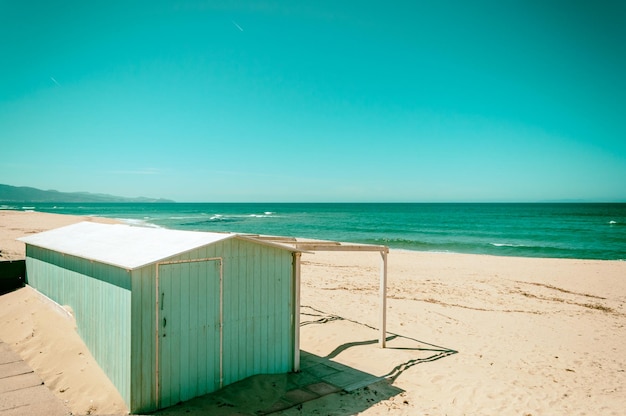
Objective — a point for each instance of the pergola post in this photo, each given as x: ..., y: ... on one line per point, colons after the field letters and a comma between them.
x: 296, y: 318
x: 382, y: 341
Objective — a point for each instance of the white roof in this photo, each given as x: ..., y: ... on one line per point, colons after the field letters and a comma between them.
x: 124, y: 245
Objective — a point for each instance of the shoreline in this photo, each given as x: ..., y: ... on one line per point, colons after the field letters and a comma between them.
x: 529, y: 335
x: 6, y: 236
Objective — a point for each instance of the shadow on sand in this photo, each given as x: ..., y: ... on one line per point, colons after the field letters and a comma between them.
x: 320, y: 377
x: 267, y: 394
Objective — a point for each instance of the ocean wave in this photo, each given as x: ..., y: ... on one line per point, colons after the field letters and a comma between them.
x: 212, y: 220
x: 474, y: 246
x: 186, y: 217
x: 388, y: 240
x: 231, y: 217
x: 420, y: 245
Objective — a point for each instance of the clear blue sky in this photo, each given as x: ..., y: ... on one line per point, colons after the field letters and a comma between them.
x: 414, y: 101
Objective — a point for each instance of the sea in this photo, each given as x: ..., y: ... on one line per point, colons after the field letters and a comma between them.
x: 554, y: 230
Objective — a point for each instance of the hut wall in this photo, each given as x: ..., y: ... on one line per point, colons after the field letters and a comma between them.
x: 258, y: 306
x: 100, y: 296
x: 257, y: 321
x: 143, y: 342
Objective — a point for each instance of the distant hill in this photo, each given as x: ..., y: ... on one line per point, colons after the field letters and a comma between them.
x: 10, y: 193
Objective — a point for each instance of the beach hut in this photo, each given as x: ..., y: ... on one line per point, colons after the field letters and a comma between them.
x: 170, y: 315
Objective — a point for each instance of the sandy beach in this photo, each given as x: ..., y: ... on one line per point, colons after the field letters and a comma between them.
x: 468, y: 334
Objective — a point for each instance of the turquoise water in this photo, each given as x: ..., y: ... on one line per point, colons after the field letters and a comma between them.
x: 589, y: 231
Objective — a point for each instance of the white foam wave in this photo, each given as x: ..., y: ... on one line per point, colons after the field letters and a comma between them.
x: 612, y: 222
x: 264, y: 215
x: 507, y: 245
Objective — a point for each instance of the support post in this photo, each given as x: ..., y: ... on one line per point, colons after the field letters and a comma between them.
x: 221, y: 322
x: 296, y: 311
x: 383, y: 300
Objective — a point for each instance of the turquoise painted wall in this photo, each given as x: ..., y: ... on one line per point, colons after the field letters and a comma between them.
x: 100, y: 297
x: 258, y: 304
x: 143, y: 343
x: 189, y: 330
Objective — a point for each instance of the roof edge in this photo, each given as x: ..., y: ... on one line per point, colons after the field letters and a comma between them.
x: 267, y: 243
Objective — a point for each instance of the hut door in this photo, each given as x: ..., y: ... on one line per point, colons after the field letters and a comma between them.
x: 189, y: 330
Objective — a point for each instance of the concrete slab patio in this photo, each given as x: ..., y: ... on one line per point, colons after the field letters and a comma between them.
x: 267, y: 394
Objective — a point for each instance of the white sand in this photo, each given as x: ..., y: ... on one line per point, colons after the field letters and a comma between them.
x: 534, y: 336
x: 479, y: 334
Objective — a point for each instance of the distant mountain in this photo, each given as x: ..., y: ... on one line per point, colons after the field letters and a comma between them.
x: 10, y: 193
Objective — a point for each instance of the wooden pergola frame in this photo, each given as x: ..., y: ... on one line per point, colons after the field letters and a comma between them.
x: 318, y: 245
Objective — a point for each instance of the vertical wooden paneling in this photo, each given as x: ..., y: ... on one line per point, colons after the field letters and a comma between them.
x: 143, y: 381
x: 257, y: 311
x: 206, y: 320
x: 100, y: 298
x: 286, y: 306
x: 189, y: 330
x: 184, y: 317
x: 251, y: 330
x: 167, y: 363
x: 273, y: 320
x: 277, y: 330
x: 256, y: 315
x: 230, y: 311
x: 235, y: 305
x: 243, y: 301
x: 266, y: 299
x: 197, y: 322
